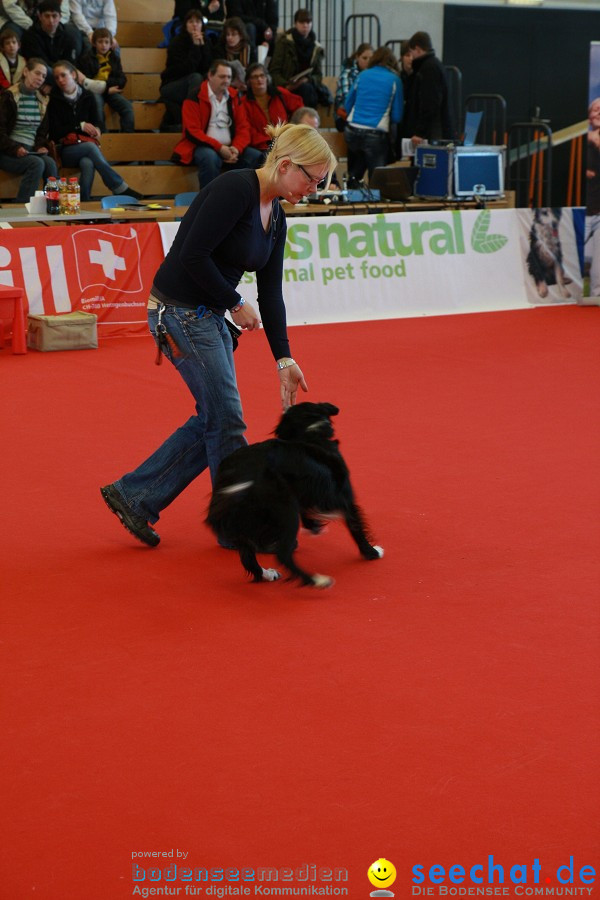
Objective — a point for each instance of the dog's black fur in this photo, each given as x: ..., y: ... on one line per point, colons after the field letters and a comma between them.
x: 545, y: 257
x: 262, y: 492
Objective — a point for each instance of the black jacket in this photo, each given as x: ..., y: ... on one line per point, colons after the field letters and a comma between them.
x: 65, y: 117
x: 427, y: 111
x: 184, y: 58
x: 36, y: 42
x: 260, y: 12
x: 89, y: 65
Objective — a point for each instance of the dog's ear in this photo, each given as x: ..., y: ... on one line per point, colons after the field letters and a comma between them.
x: 328, y: 409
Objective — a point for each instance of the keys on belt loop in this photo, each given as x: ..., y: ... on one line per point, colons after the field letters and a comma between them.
x: 164, y: 339
x: 161, y: 335
x: 201, y: 311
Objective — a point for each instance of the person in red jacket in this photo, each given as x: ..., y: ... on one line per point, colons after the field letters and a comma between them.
x: 266, y: 105
x: 216, y: 132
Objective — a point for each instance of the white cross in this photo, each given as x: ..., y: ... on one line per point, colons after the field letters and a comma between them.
x: 107, y: 258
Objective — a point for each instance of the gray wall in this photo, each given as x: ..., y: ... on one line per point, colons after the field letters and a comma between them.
x: 401, y: 18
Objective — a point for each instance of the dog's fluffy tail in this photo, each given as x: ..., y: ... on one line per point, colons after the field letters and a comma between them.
x: 236, y: 488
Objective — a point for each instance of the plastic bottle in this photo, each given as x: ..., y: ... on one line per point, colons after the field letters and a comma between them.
x: 73, y: 195
x: 62, y: 191
x: 52, y: 201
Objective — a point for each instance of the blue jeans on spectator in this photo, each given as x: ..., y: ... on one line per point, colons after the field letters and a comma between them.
x: 206, y: 365
x: 121, y: 105
x: 210, y: 164
x: 87, y: 156
x: 368, y: 148
x: 33, y: 169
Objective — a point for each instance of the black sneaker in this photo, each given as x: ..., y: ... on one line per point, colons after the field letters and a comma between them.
x: 133, y: 523
x: 135, y: 194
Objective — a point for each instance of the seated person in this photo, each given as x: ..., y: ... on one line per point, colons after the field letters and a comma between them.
x: 188, y: 58
x: 87, y: 15
x: 234, y: 43
x: 306, y: 115
x: 215, y: 127
x: 374, y: 104
x: 19, y: 15
x: 102, y: 74
x: 49, y: 39
x: 266, y: 105
x: 11, y: 61
x: 24, y: 131
x: 261, y: 18
x: 215, y: 15
x: 73, y: 126
x: 295, y: 52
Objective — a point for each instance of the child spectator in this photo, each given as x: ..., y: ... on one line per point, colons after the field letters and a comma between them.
x: 101, y: 73
x: 87, y: 15
x: 11, y: 61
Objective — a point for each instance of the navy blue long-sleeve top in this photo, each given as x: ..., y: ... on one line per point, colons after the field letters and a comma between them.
x: 220, y: 237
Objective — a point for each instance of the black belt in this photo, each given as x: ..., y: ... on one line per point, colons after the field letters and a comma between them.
x: 366, y: 130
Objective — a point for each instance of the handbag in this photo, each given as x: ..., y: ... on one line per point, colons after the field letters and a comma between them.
x: 76, y: 138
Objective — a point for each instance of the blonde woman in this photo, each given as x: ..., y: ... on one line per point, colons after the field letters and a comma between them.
x: 235, y: 224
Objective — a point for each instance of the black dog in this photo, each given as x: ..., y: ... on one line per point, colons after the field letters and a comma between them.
x: 262, y: 492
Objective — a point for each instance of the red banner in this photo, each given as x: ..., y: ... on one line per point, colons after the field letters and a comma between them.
x: 104, y: 269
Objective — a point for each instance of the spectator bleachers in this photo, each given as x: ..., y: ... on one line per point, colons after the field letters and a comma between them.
x: 152, y: 173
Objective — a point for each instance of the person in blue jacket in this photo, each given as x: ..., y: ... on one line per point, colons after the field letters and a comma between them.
x: 374, y: 104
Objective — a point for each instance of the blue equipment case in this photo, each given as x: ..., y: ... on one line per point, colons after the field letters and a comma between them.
x: 435, y: 165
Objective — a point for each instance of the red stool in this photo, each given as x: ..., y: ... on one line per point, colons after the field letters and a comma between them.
x: 12, y: 307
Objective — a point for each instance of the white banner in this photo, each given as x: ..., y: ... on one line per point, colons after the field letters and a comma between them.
x: 351, y: 268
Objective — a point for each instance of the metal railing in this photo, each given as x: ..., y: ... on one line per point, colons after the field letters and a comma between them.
x: 493, y: 124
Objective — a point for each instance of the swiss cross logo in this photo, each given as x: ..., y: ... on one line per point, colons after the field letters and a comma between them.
x: 107, y: 260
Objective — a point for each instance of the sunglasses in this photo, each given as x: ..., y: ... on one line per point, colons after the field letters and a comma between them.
x: 318, y: 184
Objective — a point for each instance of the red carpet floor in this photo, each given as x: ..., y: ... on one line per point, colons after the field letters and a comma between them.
x: 436, y: 707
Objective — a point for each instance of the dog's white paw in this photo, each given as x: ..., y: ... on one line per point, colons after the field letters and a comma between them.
x: 380, y: 550
x: 322, y: 581
x: 270, y: 574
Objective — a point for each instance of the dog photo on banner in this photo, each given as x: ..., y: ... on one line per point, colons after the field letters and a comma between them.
x: 552, y: 273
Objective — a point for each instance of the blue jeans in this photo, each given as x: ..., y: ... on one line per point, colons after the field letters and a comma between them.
x: 367, y: 149
x: 88, y: 158
x: 210, y: 164
x: 33, y: 169
x: 121, y: 105
x: 215, y: 431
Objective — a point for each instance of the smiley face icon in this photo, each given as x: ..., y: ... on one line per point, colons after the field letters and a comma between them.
x: 382, y: 873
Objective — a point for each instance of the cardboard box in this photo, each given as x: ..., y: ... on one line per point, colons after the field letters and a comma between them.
x: 66, y: 331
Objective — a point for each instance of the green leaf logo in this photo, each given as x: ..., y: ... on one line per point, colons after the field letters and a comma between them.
x: 481, y: 241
